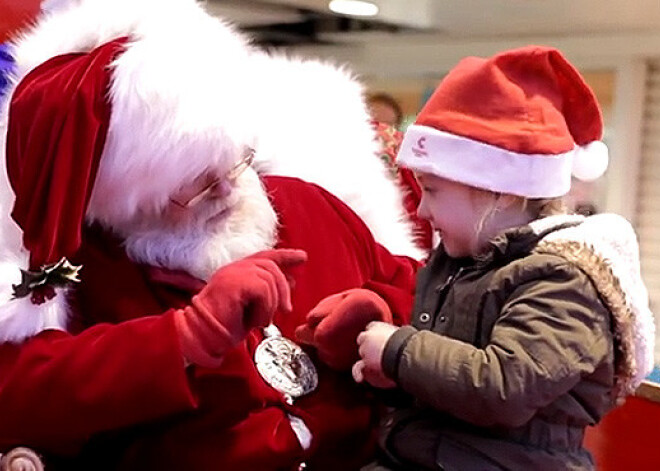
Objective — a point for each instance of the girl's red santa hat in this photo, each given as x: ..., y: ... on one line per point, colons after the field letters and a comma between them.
x: 521, y: 122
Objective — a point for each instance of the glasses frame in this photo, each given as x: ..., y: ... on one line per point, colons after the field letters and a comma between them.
x: 231, y: 176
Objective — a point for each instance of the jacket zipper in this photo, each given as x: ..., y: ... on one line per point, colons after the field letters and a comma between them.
x: 443, y: 290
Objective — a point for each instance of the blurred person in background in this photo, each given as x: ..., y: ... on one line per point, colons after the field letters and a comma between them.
x: 387, y: 116
x: 384, y: 108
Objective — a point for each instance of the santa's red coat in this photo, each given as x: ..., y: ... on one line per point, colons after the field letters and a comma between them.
x: 116, y: 395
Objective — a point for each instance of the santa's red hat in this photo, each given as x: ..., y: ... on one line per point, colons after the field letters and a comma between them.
x: 113, y: 113
x: 105, y: 124
x: 521, y: 122
x: 58, y: 120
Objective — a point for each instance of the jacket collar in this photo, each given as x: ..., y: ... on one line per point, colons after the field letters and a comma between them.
x: 520, y: 241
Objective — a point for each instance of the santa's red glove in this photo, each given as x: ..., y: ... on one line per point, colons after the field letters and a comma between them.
x: 239, y: 297
x: 334, y: 323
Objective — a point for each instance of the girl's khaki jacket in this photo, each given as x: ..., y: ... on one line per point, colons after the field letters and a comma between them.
x: 509, y: 357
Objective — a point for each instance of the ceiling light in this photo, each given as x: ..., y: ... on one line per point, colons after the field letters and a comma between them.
x: 353, y: 7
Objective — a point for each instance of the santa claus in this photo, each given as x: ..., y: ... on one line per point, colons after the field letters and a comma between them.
x: 182, y: 201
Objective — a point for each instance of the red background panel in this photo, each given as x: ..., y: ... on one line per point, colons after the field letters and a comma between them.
x: 628, y: 438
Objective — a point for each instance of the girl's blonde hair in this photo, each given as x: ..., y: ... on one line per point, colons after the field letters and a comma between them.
x: 537, y: 208
x: 544, y: 207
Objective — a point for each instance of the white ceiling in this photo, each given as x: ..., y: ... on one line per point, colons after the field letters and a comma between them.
x: 422, y: 37
x: 524, y: 17
x: 249, y: 14
x: 472, y: 18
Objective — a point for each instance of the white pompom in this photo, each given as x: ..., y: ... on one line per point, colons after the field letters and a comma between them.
x: 590, y: 161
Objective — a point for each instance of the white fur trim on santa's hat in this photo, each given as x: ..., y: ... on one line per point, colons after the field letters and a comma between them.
x: 311, y: 122
x: 175, y: 106
x: 429, y: 150
x: 176, y: 111
x: 193, y: 75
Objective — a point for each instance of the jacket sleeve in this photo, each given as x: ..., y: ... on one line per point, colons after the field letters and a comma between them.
x: 57, y: 389
x: 551, y: 332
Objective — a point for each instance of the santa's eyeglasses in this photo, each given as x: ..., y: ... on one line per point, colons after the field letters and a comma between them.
x: 189, y: 201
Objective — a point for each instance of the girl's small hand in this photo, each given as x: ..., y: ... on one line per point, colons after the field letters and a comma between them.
x: 371, y: 344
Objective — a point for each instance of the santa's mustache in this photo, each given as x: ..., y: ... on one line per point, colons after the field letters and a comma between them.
x: 215, y: 233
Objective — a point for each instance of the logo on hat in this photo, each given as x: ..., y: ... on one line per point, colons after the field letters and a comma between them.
x: 420, y: 149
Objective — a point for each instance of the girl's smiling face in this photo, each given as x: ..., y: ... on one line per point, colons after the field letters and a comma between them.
x: 449, y: 208
x: 457, y: 212
x: 465, y: 217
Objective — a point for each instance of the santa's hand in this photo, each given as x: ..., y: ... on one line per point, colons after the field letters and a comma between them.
x: 239, y: 297
x: 333, y: 325
x: 371, y: 344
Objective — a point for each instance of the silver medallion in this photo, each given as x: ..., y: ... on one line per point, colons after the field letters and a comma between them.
x: 284, y: 365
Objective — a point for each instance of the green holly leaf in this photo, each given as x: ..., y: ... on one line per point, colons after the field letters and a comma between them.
x: 55, y: 275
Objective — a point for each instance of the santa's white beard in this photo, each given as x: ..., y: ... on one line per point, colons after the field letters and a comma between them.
x: 200, y: 248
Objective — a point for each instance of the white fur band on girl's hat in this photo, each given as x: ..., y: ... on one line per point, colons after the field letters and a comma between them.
x: 522, y: 122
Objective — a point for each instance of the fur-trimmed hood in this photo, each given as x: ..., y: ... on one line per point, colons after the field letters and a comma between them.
x: 605, y: 247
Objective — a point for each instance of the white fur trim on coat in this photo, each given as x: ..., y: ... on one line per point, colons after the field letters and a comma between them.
x: 310, y: 121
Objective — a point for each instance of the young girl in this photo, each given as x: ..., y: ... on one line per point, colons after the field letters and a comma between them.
x: 529, y: 324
